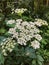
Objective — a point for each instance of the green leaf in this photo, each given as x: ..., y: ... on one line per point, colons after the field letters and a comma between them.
x: 19, y: 52
x: 2, y: 30
x: 30, y: 52
x: 8, y: 34
x: 47, y: 31
x: 40, y: 63
x: 1, y: 17
x: 43, y: 41
x: 11, y: 25
x: 40, y: 58
x: 34, y: 62
x: 1, y: 59
x: 18, y: 30
x: 2, y: 38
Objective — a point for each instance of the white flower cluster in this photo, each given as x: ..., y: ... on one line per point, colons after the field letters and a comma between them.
x: 7, y: 45
x: 10, y: 22
x: 35, y: 44
x: 40, y: 22
x: 19, y: 10
x: 25, y: 31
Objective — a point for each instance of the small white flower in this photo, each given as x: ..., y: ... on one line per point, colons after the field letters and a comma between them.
x: 19, y: 20
x: 25, y: 23
x: 3, y: 50
x: 36, y: 30
x: 21, y: 41
x: 15, y: 35
x: 5, y: 54
x: 12, y: 12
x: 17, y: 11
x: 1, y: 43
x: 35, y: 44
x: 32, y: 23
x: 10, y: 50
x: 27, y: 37
x: 13, y: 9
x: 6, y: 47
x: 11, y: 22
x: 12, y: 46
x: 38, y: 37
x: 3, y: 47
x: 11, y: 31
x: 14, y: 43
x: 22, y: 10
x: 40, y: 22
x: 45, y: 22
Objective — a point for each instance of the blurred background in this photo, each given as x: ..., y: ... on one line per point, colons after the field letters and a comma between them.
x: 35, y: 6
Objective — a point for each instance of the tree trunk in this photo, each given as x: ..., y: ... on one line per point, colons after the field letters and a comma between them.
x: 47, y: 2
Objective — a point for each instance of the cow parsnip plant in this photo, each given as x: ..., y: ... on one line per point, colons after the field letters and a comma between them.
x: 12, y: 52
x: 19, y: 11
x: 22, y: 41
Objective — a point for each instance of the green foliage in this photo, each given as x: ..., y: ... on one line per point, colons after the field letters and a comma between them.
x: 46, y: 15
x: 1, y: 59
x: 45, y: 43
x: 30, y: 52
x: 2, y: 31
x: 10, y: 25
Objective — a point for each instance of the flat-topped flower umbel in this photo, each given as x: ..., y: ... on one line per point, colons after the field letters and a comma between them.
x: 22, y: 32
